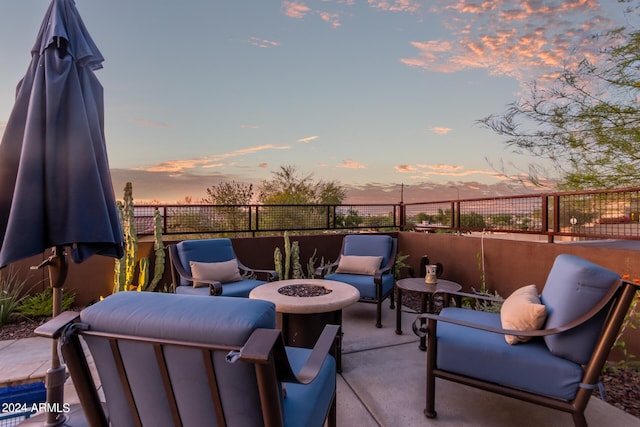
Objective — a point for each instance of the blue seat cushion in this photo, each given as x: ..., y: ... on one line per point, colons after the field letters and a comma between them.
x: 486, y: 356
x: 232, y: 289
x: 364, y: 284
x: 574, y: 286
x: 304, y: 404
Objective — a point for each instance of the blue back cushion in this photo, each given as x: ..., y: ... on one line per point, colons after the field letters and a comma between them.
x: 573, y: 287
x: 204, y: 250
x: 368, y: 245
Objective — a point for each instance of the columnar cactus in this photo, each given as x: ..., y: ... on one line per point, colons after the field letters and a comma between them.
x: 158, y: 246
x: 291, y: 260
x: 296, y: 272
x: 277, y: 261
x: 287, y: 255
x: 125, y: 267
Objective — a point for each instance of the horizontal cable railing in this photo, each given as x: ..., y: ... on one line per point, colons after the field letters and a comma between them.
x: 587, y: 214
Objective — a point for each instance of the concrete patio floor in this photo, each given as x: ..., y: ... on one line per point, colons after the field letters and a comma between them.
x: 382, y: 382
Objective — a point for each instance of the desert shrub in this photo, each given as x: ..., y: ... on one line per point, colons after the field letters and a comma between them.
x: 12, y: 293
x: 41, y: 304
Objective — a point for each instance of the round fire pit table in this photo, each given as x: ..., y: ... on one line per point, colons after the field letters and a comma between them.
x: 305, y: 306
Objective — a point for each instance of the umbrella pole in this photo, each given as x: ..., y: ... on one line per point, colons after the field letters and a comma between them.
x: 56, y: 375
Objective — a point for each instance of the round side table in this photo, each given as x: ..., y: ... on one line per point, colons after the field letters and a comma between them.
x: 417, y: 284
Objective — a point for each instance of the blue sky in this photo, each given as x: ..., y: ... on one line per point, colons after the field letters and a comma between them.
x: 369, y: 93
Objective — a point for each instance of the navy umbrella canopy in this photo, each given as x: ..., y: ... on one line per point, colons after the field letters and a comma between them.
x: 55, y: 184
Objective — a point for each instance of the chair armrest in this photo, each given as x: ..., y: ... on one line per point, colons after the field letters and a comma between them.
x: 470, y: 295
x: 391, y: 262
x: 54, y: 327
x: 377, y: 276
x: 270, y: 275
x: 261, y: 341
x: 323, y: 270
x: 215, y: 287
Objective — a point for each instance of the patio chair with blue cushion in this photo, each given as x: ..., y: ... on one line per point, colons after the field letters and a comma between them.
x: 548, y: 349
x: 210, y: 267
x: 169, y: 360
x: 366, y: 261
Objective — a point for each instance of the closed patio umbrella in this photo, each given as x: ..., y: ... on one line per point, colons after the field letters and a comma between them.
x: 55, y: 184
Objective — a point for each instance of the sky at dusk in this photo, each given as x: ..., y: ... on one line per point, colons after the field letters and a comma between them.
x: 369, y: 93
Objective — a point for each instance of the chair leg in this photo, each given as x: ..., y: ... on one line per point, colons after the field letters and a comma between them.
x: 379, y: 314
x: 430, y: 408
x: 393, y: 298
x: 579, y: 420
x: 331, y: 418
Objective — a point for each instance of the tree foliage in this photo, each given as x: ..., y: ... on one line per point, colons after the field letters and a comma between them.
x: 588, y: 122
x: 288, y: 187
x: 229, y: 193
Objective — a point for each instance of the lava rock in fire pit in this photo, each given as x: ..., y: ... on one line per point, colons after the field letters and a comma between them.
x: 304, y: 290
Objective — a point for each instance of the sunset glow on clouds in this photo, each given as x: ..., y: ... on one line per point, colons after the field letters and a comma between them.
x: 151, y: 124
x: 262, y: 43
x: 516, y: 39
x: 421, y: 171
x: 520, y: 39
x: 350, y: 164
x: 213, y: 161
x: 308, y: 139
x: 439, y: 130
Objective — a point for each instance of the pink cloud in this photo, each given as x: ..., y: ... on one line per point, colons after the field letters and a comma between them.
x: 351, y: 164
x: 410, y: 6
x: 262, y: 43
x: 331, y: 18
x: 151, y: 124
x: 439, y: 130
x: 524, y: 40
x: 295, y: 9
x: 405, y: 168
x: 207, y: 162
x: 309, y: 138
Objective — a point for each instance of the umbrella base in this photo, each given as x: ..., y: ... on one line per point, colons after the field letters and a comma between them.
x: 74, y: 417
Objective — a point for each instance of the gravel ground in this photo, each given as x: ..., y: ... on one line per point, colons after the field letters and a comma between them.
x: 622, y: 384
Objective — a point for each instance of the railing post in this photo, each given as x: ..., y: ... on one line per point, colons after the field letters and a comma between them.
x: 544, y: 217
x: 164, y: 220
x: 556, y: 217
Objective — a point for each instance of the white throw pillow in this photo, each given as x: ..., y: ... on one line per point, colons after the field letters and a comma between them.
x: 522, y: 311
x: 223, y: 272
x: 354, y: 264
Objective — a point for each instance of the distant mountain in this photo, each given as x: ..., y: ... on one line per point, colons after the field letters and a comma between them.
x: 165, y: 187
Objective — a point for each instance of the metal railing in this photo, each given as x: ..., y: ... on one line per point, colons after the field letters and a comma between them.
x: 207, y: 219
x: 587, y: 215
